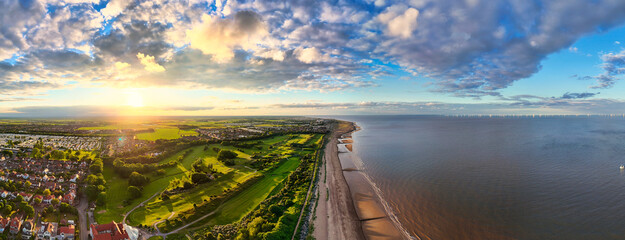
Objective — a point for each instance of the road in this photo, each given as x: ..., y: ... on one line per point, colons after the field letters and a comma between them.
x: 140, y: 205
x: 83, y: 207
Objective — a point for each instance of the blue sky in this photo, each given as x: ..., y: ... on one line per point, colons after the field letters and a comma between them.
x: 197, y: 57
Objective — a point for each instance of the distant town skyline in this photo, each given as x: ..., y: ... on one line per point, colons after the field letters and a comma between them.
x: 81, y: 58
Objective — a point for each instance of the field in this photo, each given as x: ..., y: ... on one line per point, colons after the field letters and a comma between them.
x: 166, y: 133
x: 286, y: 149
x: 238, y: 206
x: 114, y: 209
x: 156, y: 209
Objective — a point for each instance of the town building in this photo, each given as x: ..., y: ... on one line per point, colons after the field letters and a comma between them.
x: 109, y: 231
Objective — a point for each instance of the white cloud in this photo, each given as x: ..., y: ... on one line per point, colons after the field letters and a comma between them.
x: 399, y: 24
x: 310, y: 55
x: 124, y: 65
x: 149, y: 63
x: 219, y: 37
x: 114, y: 8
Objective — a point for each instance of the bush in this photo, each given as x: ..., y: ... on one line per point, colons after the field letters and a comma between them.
x: 226, y: 154
x: 198, y: 178
x: 134, y: 192
x: 137, y: 179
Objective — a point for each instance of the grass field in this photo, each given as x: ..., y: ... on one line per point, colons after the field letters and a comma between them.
x: 166, y: 133
x: 117, y: 188
x: 238, y: 206
x: 158, y: 209
x: 244, y: 202
x: 231, y: 210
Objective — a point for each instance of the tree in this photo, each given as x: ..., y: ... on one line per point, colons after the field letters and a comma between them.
x: 101, y: 200
x: 92, y: 191
x: 55, y: 201
x: 57, y: 155
x: 29, y: 210
x: 7, y: 209
x: 134, y: 192
x: 36, y: 153
x: 187, y: 185
x: 226, y: 154
x: 198, y: 178
x: 137, y: 179
x: 66, y: 208
x: 95, y: 179
x: 8, y: 153
x: 96, y: 166
x: 37, y: 200
x: 27, y: 184
x: 46, y: 192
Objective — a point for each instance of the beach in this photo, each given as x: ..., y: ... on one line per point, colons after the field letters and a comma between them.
x: 348, y: 206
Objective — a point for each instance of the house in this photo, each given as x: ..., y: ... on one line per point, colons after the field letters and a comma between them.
x: 50, y: 185
x: 69, y: 198
x: 28, y: 229
x: 4, y: 223
x: 46, y: 231
x: 15, y: 225
x: 26, y: 196
x: 47, y: 199
x: 74, y: 178
x: 66, y: 233
x: 109, y: 231
x: 40, y: 197
x: 5, y: 194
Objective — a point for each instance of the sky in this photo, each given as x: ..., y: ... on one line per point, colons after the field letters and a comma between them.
x: 75, y: 58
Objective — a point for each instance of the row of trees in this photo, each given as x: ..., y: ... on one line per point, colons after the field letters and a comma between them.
x: 96, y: 190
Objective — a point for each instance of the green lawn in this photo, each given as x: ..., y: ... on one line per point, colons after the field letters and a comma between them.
x: 158, y: 209
x: 117, y: 186
x: 244, y: 202
x: 166, y: 133
x: 231, y: 210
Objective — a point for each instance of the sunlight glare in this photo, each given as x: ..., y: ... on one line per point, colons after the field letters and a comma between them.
x: 134, y: 99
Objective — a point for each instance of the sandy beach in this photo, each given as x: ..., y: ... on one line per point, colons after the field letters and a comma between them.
x: 352, y: 210
x: 336, y: 217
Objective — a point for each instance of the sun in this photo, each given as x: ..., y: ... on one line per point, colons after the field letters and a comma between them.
x: 134, y: 99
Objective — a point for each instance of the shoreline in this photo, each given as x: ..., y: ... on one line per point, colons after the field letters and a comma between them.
x: 358, y: 197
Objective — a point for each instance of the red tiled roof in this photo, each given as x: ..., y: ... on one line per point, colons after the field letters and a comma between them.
x: 69, y: 230
x: 109, y: 231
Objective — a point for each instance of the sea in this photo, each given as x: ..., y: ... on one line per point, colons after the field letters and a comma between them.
x: 541, y: 177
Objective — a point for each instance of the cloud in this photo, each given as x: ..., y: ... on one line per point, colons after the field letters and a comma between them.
x: 398, y: 23
x: 613, y: 66
x: 578, y: 95
x: 219, y: 37
x: 122, y: 65
x: 114, y: 8
x: 310, y: 55
x: 149, y: 63
x: 478, y: 47
x: 14, y: 17
x: 466, y: 48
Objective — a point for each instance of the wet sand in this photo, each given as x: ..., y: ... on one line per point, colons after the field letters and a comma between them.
x: 351, y: 196
x: 349, y: 147
x: 335, y: 215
